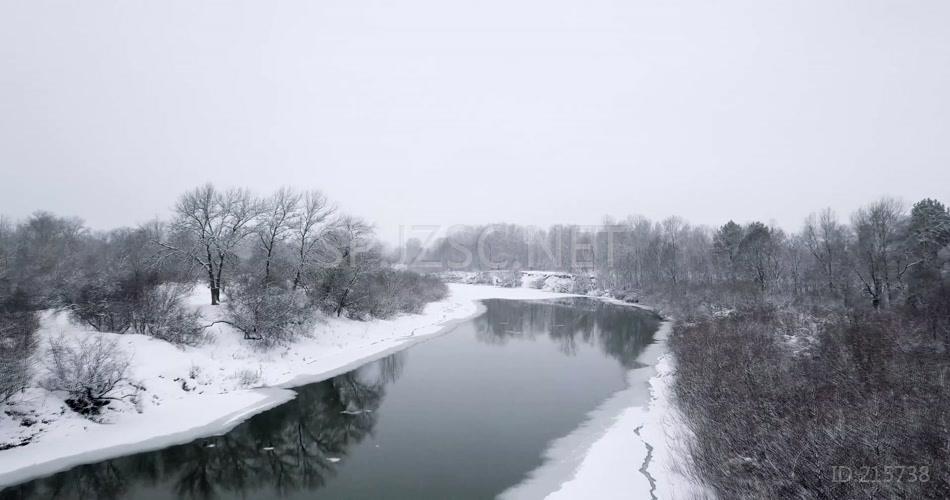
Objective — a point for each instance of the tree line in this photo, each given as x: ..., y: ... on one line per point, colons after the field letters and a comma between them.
x: 809, y: 364
x: 884, y: 256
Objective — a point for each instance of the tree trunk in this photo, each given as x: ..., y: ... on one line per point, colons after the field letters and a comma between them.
x: 296, y: 279
x: 214, y: 280
x: 342, y: 303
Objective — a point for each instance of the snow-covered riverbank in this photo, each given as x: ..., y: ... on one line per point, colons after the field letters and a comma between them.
x: 631, y: 446
x: 209, y: 389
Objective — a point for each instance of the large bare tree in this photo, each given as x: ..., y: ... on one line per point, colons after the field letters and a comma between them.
x: 210, y: 224
x: 880, y: 260
x: 673, y: 228
x: 279, y: 214
x: 355, y: 254
x: 310, y: 228
x: 827, y: 241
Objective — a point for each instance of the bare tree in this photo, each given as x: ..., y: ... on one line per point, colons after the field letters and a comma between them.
x: 827, y: 241
x: 17, y: 342
x: 212, y: 223
x: 672, y: 227
x: 641, y: 233
x: 7, y: 238
x: 355, y: 254
x: 310, y: 228
x: 278, y: 217
x: 880, y: 260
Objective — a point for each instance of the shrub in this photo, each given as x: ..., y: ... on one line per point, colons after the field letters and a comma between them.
x: 484, y: 278
x: 536, y: 281
x: 89, y: 371
x: 387, y: 292
x: 505, y: 278
x: 137, y: 303
x: 99, y: 305
x: 582, y: 284
x: 247, y: 377
x: 163, y: 315
x: 508, y: 278
x: 17, y: 343
x: 269, y: 314
x: 773, y: 419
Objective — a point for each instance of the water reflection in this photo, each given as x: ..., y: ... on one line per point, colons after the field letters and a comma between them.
x: 619, y: 331
x: 292, y: 447
x: 299, y: 446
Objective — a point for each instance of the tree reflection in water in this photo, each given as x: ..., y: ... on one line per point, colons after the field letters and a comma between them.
x: 622, y: 332
x: 292, y: 447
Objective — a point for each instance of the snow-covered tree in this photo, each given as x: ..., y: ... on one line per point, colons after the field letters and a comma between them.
x: 309, y: 232
x: 879, y: 253
x: 208, y: 227
x: 279, y: 214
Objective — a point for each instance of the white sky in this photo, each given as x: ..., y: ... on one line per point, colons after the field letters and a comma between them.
x: 449, y: 111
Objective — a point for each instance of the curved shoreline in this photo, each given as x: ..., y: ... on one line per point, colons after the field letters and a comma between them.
x: 565, y: 456
x: 223, y: 412
x: 273, y: 396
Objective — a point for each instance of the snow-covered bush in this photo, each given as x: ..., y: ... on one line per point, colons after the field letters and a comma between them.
x: 162, y: 314
x: 535, y: 281
x: 90, y: 371
x: 100, y: 304
x: 499, y: 277
x: 508, y: 278
x: 582, y: 284
x: 247, y: 377
x: 137, y: 304
x: 387, y: 292
x: 269, y: 314
x: 559, y: 283
x: 466, y: 277
x: 483, y: 278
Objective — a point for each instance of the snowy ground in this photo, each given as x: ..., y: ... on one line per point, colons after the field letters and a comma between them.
x: 631, y: 447
x: 549, y: 281
x: 626, y: 449
x: 209, y: 389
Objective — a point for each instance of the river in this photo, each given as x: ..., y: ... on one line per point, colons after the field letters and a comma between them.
x: 465, y: 415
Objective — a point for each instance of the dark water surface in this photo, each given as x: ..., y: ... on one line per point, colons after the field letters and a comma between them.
x: 465, y: 415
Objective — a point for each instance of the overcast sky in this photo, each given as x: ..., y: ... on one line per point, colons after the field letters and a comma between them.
x: 464, y: 111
